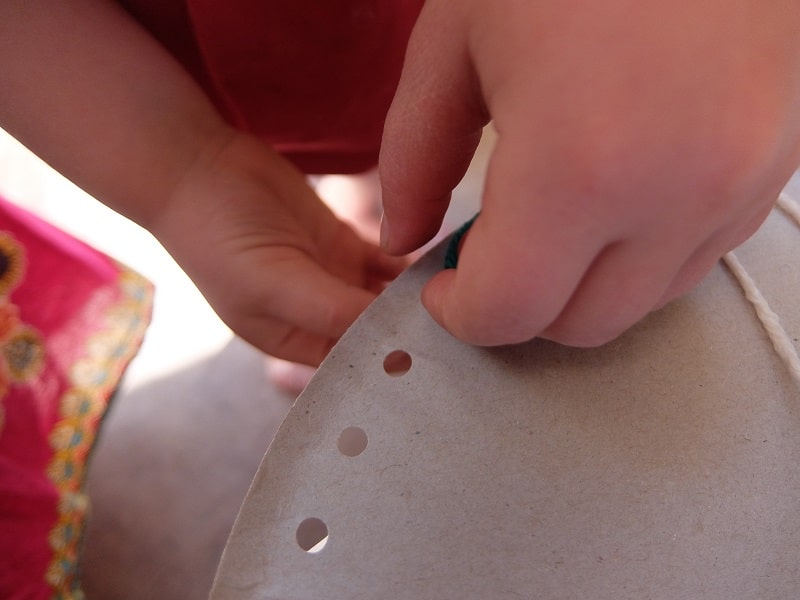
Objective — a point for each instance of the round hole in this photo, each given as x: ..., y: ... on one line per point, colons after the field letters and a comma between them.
x: 352, y: 441
x: 397, y: 363
x: 312, y: 535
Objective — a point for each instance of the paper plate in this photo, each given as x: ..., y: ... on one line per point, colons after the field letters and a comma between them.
x: 662, y: 465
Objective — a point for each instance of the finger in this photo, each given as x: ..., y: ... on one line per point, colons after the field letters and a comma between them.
x: 380, y: 276
x: 524, y: 257
x: 362, y: 264
x: 294, y: 293
x: 317, y: 301
x: 708, y: 254
x: 632, y: 278
x: 624, y: 284
x: 331, y: 309
x: 288, y: 343
x: 382, y: 267
x: 431, y: 132
x: 301, y: 322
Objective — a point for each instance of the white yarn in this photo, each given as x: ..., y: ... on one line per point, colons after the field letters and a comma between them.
x: 769, y: 319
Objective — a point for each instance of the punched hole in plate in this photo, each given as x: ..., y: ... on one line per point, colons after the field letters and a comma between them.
x: 312, y: 535
x: 352, y: 441
x: 397, y: 363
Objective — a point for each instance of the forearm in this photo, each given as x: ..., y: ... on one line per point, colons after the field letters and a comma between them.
x: 90, y: 92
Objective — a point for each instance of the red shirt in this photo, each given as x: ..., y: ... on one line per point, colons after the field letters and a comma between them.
x: 313, y: 78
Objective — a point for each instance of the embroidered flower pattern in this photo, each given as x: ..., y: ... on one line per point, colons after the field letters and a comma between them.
x: 12, y: 263
x: 21, y: 348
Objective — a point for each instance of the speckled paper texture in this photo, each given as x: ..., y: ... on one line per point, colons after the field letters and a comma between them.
x: 663, y: 465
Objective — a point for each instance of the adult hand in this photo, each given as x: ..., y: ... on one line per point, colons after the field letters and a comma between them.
x: 637, y: 143
x: 274, y: 262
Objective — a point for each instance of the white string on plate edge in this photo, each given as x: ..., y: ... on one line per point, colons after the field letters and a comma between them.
x: 769, y: 319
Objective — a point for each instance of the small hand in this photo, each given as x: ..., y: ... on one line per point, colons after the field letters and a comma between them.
x: 637, y: 143
x: 278, y: 267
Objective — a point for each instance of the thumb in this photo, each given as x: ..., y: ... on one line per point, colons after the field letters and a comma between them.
x: 523, y: 258
x: 432, y: 129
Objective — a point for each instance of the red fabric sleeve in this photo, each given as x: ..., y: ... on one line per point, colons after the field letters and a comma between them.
x: 313, y: 79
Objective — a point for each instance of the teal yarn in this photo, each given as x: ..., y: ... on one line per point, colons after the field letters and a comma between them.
x: 451, y: 257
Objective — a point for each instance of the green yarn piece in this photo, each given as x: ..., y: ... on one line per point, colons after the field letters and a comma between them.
x: 451, y: 257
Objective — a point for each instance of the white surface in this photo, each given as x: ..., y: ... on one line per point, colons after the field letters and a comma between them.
x: 661, y: 465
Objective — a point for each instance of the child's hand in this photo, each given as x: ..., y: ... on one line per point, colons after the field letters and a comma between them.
x: 132, y: 127
x: 268, y: 255
x: 637, y: 143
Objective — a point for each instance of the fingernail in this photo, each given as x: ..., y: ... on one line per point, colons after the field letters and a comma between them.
x: 384, y: 232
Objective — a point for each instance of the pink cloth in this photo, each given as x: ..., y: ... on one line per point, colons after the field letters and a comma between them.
x: 70, y: 321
